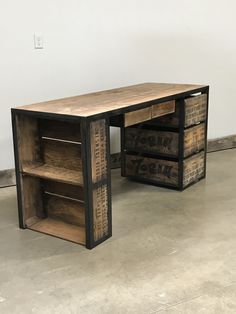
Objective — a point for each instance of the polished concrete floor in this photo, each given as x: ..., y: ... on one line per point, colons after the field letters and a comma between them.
x: 171, y: 252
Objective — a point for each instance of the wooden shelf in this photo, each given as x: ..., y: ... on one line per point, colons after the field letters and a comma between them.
x: 60, y: 229
x: 53, y: 173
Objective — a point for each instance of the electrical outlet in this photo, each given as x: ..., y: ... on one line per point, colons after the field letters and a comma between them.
x: 38, y: 41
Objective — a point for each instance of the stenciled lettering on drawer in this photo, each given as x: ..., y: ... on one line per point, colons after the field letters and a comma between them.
x: 98, y: 150
x: 152, y: 141
x: 155, y: 169
x: 100, y: 212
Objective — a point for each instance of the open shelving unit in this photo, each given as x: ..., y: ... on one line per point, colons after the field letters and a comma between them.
x: 51, y: 174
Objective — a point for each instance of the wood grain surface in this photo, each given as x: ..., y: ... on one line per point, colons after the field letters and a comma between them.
x: 151, y: 141
x: 28, y: 139
x: 165, y: 171
x: 32, y: 198
x: 60, y: 229
x: 195, y: 112
x: 69, y: 131
x: 62, y: 154
x: 54, y: 173
x: 164, y: 142
x: 64, y: 209
x: 195, y: 109
x: 194, y: 139
x: 67, y: 190
x: 193, y: 168
x: 169, y: 120
x: 104, y: 101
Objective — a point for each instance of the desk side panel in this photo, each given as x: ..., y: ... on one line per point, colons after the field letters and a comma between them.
x: 97, y: 180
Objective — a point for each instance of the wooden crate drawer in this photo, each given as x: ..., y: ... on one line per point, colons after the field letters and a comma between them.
x: 195, y: 109
x: 137, y: 116
x: 195, y: 112
x: 166, y: 172
x: 194, y: 139
x: 164, y: 142
x: 157, y: 170
x: 163, y: 109
x: 149, y: 113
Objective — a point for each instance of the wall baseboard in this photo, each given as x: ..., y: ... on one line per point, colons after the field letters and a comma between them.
x: 221, y: 143
x: 7, y: 177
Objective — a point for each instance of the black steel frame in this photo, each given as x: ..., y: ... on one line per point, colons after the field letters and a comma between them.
x: 86, y: 156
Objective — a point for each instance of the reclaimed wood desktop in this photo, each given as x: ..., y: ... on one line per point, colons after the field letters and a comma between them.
x: 62, y: 153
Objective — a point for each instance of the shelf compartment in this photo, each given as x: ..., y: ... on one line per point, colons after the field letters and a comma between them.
x: 64, y: 189
x: 163, y: 109
x: 60, y: 229
x: 50, y: 149
x: 53, y: 173
x: 145, y: 114
x: 54, y: 208
x: 137, y: 116
x: 60, y: 130
x: 43, y: 142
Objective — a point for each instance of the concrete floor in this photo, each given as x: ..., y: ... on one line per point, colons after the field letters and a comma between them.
x: 171, y: 252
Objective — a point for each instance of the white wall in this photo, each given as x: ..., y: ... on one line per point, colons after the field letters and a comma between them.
x: 92, y: 45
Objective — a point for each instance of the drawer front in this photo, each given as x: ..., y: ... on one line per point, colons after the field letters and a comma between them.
x: 152, y: 141
x: 149, y: 113
x: 165, y: 142
x: 163, y: 109
x: 156, y: 170
x: 169, y: 120
x: 137, y: 116
x: 195, y: 109
x: 194, y: 168
x: 160, y: 171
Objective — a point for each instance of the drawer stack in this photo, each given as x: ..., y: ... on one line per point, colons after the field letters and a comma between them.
x: 171, y: 149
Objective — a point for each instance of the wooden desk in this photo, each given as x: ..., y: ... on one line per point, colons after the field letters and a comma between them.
x: 62, y: 153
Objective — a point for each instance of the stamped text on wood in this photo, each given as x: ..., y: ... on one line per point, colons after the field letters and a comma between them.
x: 99, y: 173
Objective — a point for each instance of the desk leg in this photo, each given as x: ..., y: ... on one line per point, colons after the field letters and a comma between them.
x: 97, y: 180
